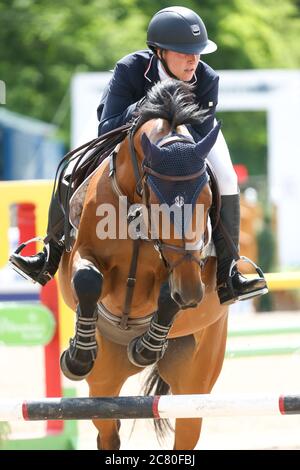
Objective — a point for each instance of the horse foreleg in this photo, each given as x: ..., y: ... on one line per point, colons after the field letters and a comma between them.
x: 111, y: 439
x: 77, y: 361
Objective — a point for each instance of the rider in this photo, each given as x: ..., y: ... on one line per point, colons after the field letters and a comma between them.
x: 176, y: 37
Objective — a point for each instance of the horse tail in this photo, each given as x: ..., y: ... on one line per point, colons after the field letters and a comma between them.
x: 155, y: 385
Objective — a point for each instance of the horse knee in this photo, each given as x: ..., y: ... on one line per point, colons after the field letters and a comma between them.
x: 87, y: 282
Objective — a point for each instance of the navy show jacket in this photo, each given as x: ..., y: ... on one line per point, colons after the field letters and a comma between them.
x: 134, y: 75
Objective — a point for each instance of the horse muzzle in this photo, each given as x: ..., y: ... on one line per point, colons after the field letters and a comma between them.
x: 187, y: 294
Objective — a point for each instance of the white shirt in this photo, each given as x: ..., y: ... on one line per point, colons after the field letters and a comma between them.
x: 163, y: 74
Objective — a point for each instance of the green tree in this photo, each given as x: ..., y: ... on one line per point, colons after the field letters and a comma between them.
x: 44, y: 42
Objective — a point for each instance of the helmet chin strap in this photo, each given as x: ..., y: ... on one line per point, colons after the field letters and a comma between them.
x: 161, y: 58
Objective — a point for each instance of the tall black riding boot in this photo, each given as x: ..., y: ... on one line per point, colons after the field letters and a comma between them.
x: 232, y: 285
x: 42, y: 266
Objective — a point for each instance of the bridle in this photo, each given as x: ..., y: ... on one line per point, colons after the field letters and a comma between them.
x: 142, y: 190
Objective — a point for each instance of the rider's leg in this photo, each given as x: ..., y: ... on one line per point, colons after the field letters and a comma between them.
x: 150, y: 347
x: 236, y: 287
x: 42, y: 266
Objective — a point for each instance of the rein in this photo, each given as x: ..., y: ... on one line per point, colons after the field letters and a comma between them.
x: 83, y: 157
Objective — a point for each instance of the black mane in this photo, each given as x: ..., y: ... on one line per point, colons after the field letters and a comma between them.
x: 172, y: 100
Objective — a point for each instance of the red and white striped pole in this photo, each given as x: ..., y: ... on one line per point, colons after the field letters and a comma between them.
x: 169, y: 406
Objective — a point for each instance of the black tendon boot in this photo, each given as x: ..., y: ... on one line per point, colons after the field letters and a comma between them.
x: 231, y: 284
x: 149, y: 348
x: 42, y: 266
x: 77, y: 361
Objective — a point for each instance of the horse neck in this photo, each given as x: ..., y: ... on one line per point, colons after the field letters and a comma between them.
x: 155, y: 129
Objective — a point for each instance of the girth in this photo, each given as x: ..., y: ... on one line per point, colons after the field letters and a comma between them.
x: 109, y: 326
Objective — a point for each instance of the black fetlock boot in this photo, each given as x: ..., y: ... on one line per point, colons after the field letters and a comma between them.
x: 40, y: 267
x: 149, y: 348
x: 231, y: 284
x: 77, y: 361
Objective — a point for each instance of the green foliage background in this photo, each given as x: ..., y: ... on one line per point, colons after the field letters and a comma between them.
x: 44, y: 42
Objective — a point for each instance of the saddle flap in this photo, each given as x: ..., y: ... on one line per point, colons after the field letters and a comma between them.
x: 78, y: 197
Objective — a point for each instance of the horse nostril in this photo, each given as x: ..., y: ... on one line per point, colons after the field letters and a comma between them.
x: 177, y: 298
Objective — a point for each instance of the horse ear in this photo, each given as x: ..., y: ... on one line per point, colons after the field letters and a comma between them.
x: 205, y: 145
x: 149, y: 149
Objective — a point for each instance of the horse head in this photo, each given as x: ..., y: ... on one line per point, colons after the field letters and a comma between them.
x: 176, y: 192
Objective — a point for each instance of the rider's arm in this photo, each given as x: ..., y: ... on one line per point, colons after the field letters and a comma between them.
x: 118, y: 102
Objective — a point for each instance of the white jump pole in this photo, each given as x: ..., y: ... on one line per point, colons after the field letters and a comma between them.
x: 139, y: 407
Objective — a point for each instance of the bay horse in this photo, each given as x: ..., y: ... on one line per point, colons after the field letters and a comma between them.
x: 158, y: 162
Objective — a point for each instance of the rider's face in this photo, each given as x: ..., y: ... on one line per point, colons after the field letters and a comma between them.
x: 183, y: 66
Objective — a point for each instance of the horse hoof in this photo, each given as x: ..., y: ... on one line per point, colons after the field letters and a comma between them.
x: 72, y: 369
x: 136, y: 357
x: 133, y: 356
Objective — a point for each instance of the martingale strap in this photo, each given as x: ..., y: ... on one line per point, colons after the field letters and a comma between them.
x: 131, y: 280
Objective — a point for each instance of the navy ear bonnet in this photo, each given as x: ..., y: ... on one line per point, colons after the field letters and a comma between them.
x: 178, y: 159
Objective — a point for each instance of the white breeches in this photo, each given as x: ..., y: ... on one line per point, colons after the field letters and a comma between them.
x: 220, y: 160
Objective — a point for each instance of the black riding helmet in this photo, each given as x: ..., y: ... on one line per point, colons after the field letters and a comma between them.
x: 179, y: 29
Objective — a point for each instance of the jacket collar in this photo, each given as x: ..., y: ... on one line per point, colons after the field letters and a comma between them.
x: 151, y: 72
x: 152, y: 75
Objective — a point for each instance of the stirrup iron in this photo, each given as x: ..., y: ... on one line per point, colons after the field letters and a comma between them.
x: 249, y: 295
x: 18, y: 251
